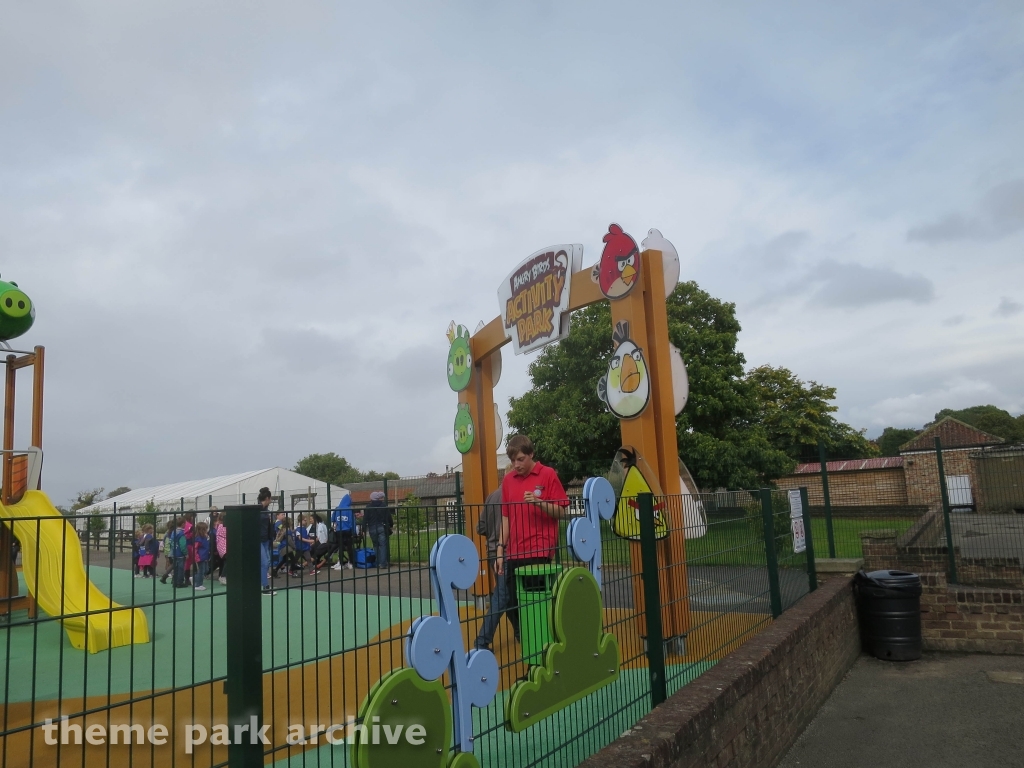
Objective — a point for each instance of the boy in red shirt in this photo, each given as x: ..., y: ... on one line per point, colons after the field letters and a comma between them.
x: 533, y: 501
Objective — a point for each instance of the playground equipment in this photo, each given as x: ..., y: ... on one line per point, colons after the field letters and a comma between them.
x: 56, y: 578
x: 51, y: 551
x: 536, y: 299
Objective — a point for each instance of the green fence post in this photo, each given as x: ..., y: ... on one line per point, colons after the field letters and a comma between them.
x: 329, y: 507
x: 771, y: 559
x: 828, y: 500
x: 812, y: 571
x: 112, y: 533
x: 460, y: 515
x: 244, y: 627
x: 950, y: 554
x: 652, y: 600
x: 281, y: 502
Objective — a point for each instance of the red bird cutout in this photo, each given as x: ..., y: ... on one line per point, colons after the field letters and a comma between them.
x: 619, y: 267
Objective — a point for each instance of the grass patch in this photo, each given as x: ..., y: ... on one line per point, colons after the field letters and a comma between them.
x: 847, y: 530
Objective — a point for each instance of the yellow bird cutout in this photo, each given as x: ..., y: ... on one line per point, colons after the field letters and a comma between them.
x: 626, y: 522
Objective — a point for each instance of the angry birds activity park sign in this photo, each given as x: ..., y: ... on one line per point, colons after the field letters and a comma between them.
x: 535, y: 296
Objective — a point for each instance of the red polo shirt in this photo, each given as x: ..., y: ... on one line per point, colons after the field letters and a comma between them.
x: 531, y: 531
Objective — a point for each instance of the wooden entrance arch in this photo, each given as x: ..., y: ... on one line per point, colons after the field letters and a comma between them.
x: 653, y: 433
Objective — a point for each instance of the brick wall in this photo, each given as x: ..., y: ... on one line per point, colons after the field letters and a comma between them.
x: 858, y: 488
x: 954, y: 617
x: 974, y: 619
x: 921, y: 471
x: 750, y: 707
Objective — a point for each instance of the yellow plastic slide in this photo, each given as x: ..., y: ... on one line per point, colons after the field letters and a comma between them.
x: 94, y: 622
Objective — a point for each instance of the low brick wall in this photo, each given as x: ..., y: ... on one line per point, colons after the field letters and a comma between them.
x: 988, y: 618
x: 750, y: 707
x: 973, y: 619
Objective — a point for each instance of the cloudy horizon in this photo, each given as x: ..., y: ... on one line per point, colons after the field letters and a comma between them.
x: 246, y: 229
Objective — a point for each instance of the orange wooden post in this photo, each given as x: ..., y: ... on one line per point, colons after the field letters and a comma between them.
x: 653, y: 435
x: 672, y: 550
x: 37, y: 398
x: 479, y: 464
x: 8, y: 465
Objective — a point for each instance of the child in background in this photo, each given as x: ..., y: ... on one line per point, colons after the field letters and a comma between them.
x: 215, y: 523
x: 148, y: 550
x: 201, y: 550
x: 180, y: 551
x: 321, y: 548
x: 167, y: 547
x: 136, y: 553
x: 189, y: 527
x: 285, y: 545
x: 222, y: 550
x: 303, y: 542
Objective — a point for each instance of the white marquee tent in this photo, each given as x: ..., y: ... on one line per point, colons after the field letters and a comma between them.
x: 300, y: 493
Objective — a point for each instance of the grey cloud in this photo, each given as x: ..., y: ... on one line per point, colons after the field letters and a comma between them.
x: 1001, y: 213
x: 305, y: 349
x: 778, y: 250
x: 413, y: 367
x: 1008, y: 307
x: 954, y: 320
x: 854, y: 285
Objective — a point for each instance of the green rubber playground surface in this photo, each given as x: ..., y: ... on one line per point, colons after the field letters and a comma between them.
x: 187, y: 638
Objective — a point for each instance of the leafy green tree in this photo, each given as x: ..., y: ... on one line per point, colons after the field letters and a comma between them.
x: 892, y: 438
x: 412, y: 515
x: 988, y: 418
x: 97, y: 523
x: 328, y: 468
x: 796, y: 415
x: 85, y: 499
x: 119, y: 491
x: 719, y: 437
x: 371, y: 475
x: 335, y: 469
x: 148, y: 516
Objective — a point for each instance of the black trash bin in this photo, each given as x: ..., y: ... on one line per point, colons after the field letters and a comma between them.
x: 889, y: 606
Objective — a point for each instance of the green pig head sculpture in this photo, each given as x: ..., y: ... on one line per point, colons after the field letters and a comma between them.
x: 17, y: 313
x: 460, y: 360
x: 463, y: 428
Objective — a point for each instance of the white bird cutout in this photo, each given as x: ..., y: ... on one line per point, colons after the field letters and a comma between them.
x: 655, y: 241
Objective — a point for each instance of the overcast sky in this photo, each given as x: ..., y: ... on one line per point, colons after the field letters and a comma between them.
x: 246, y: 226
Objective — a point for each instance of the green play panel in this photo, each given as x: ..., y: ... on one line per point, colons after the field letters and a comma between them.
x: 566, y: 738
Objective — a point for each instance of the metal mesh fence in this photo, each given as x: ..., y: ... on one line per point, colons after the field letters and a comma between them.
x: 333, y: 623
x: 903, y: 512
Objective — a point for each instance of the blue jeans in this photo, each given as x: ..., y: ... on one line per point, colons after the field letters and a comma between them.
x: 379, y: 539
x: 265, y: 564
x: 179, y: 572
x: 197, y: 580
x: 499, y: 602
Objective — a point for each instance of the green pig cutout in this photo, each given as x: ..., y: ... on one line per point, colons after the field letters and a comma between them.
x: 17, y: 312
x: 460, y: 360
x: 582, y: 659
x: 464, y: 430
x: 399, y: 702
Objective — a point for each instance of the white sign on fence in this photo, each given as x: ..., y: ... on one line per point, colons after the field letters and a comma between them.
x: 796, y: 522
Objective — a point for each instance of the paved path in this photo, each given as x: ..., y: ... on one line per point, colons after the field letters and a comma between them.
x: 982, y: 536
x: 946, y: 710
